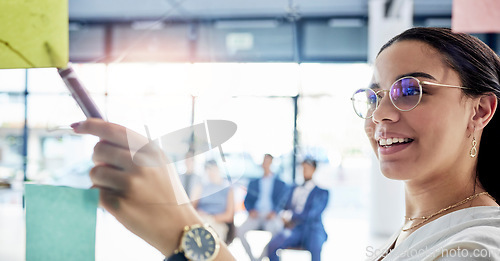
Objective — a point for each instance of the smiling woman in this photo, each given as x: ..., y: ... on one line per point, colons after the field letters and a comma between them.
x: 430, y: 143
x: 426, y: 129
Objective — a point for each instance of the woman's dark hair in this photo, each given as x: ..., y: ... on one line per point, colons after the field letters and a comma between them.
x: 479, y: 70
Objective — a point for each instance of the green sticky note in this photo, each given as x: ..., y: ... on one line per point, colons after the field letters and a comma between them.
x: 60, y: 223
x: 34, y: 33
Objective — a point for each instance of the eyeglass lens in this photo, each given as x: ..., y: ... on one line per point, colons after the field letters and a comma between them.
x: 405, y: 94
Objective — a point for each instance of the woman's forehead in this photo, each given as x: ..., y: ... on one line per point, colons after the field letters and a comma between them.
x: 406, y: 57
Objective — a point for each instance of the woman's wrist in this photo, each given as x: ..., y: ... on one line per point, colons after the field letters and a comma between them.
x: 169, y: 232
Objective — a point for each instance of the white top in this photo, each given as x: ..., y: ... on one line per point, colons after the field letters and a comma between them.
x: 264, y: 202
x: 299, y: 198
x: 467, y: 234
x: 300, y: 195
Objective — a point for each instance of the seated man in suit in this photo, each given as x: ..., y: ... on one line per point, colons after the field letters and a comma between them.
x: 265, y: 198
x: 302, y: 217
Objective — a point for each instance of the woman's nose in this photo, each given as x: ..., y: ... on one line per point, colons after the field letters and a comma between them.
x: 385, y: 111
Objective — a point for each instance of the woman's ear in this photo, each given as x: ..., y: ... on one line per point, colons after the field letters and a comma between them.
x: 484, y: 109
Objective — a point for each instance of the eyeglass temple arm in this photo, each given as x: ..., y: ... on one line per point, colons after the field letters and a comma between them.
x: 443, y: 85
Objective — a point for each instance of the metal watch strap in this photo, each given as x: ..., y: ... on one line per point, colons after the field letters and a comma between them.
x: 179, y: 256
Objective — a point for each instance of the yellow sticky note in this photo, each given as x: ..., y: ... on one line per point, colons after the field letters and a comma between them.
x: 33, y: 33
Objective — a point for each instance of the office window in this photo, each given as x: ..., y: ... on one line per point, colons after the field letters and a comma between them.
x: 11, y: 137
x: 330, y: 131
x: 12, y: 85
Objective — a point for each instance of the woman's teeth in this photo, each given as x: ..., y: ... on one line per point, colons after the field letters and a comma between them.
x: 390, y: 141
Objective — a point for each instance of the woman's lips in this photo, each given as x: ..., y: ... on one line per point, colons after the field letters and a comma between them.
x: 390, y: 141
x: 393, y: 147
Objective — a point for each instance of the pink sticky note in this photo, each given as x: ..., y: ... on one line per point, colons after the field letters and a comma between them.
x: 476, y: 16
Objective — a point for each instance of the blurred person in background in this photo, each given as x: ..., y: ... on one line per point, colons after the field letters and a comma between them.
x: 302, y: 217
x: 214, y: 200
x: 266, y: 196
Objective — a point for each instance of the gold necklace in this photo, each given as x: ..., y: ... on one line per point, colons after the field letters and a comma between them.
x: 427, y: 218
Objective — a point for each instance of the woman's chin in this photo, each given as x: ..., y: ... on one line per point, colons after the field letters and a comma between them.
x: 395, y: 177
x: 394, y: 174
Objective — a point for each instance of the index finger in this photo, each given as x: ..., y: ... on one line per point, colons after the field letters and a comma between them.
x: 111, y: 132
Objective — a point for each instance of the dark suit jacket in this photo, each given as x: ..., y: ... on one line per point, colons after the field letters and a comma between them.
x: 279, y: 195
x: 309, y: 223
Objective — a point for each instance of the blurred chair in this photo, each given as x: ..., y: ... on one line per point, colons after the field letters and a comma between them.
x: 294, y: 254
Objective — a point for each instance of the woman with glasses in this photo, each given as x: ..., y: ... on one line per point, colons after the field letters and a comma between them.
x: 430, y: 117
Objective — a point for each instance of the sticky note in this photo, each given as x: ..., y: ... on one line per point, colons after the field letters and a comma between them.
x: 33, y: 33
x: 475, y: 16
x: 60, y: 223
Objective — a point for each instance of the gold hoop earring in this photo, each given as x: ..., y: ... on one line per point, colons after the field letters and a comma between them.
x: 473, y: 150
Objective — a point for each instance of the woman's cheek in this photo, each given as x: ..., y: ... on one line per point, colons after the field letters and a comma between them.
x: 370, y: 134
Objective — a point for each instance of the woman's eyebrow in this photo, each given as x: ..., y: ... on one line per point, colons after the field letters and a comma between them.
x: 374, y: 86
x: 416, y: 74
x: 412, y: 74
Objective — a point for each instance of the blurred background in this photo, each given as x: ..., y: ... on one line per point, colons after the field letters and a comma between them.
x: 282, y: 70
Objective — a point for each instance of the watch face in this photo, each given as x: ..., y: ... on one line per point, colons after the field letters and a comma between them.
x: 199, y: 244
